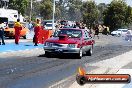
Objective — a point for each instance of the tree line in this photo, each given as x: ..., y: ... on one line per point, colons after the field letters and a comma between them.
x: 117, y: 14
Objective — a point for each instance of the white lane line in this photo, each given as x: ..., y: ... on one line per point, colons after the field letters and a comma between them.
x: 60, y: 83
x: 115, y: 62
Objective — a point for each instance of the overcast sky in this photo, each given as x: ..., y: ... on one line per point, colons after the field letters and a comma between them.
x: 129, y: 2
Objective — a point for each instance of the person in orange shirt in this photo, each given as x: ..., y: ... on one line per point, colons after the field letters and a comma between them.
x: 18, y: 28
x: 37, y: 29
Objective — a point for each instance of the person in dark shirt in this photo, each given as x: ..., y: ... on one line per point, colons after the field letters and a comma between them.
x: 2, y: 33
x: 96, y: 31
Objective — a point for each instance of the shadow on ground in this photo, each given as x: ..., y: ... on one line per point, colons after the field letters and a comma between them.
x: 60, y: 56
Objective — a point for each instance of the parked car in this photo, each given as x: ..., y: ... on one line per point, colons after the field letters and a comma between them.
x: 119, y: 32
x: 10, y: 31
x: 70, y: 40
x: 48, y: 26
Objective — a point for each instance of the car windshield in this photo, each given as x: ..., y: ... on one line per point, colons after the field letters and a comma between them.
x: 70, y: 32
x: 48, y: 25
x: 124, y: 30
x: 10, y: 25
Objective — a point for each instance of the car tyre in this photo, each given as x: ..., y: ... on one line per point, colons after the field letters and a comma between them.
x: 24, y: 37
x: 47, y: 54
x: 118, y: 35
x: 90, y: 52
x: 80, y: 54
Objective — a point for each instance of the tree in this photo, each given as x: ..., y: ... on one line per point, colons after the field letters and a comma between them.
x: 46, y: 9
x: 34, y: 10
x: 74, y: 11
x: 115, y: 14
x: 61, y: 9
x: 101, y: 8
x: 68, y: 10
x: 128, y: 16
x: 19, y: 5
x: 90, y: 13
x: 58, y: 9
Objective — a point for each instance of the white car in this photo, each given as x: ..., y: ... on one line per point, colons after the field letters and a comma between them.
x: 49, y: 26
x: 119, y: 32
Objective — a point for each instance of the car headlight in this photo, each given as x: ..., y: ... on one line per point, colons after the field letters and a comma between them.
x: 72, y: 45
x: 48, y: 44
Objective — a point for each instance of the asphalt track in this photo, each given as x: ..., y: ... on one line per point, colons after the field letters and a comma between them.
x: 38, y: 71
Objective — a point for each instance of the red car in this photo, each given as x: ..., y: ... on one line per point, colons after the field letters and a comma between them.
x: 70, y: 40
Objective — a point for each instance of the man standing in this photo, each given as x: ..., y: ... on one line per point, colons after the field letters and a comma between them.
x: 108, y: 30
x: 18, y: 28
x: 37, y: 29
x: 30, y: 26
x: 2, y: 33
x: 96, y: 31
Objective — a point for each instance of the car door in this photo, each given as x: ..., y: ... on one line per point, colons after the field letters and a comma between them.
x: 85, y: 41
x: 88, y: 40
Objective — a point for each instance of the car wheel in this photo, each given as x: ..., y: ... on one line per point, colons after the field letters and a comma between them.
x: 118, y: 35
x: 47, y: 54
x: 112, y: 34
x: 80, y: 54
x: 90, y: 51
x: 24, y: 37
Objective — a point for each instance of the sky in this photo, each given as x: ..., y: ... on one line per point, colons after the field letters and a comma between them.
x: 129, y: 2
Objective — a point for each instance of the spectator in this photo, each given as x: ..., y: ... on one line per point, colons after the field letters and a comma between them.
x: 74, y: 26
x: 18, y: 28
x: 30, y: 26
x: 37, y: 29
x: 2, y: 33
x: 96, y: 31
x: 108, y: 30
x: 129, y: 35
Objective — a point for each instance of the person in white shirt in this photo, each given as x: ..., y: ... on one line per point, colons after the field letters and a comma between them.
x: 129, y: 35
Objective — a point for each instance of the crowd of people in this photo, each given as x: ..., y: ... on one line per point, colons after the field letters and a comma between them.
x: 36, y: 26
x: 101, y: 29
x: 66, y: 24
x: 18, y: 28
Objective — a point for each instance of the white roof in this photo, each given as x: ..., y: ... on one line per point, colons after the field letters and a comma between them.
x: 9, y: 13
x: 122, y: 29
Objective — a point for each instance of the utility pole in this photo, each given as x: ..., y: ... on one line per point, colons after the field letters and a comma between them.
x: 31, y: 6
x: 53, y: 19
